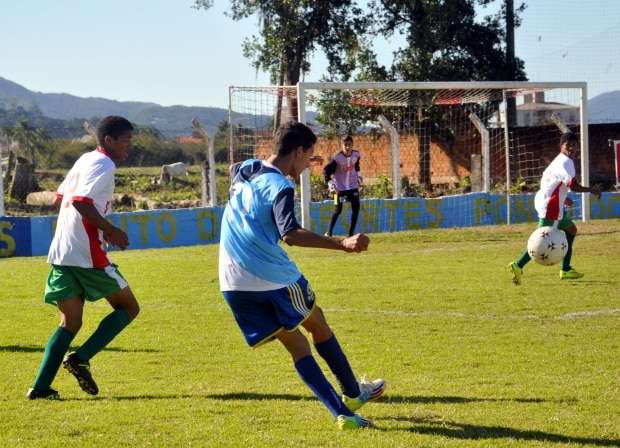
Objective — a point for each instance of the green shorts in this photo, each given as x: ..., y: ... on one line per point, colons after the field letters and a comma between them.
x: 564, y: 223
x: 66, y: 282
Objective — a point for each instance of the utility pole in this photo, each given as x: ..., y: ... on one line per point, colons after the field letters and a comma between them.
x: 511, y: 104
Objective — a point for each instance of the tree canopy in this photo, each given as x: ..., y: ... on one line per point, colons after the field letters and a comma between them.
x: 291, y: 31
x: 446, y: 40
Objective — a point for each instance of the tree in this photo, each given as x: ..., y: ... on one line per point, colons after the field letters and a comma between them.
x: 445, y: 41
x: 290, y: 32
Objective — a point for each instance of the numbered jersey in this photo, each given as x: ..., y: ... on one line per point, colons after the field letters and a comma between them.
x: 76, y: 241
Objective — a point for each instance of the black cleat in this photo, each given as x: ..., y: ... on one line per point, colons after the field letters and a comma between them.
x: 49, y: 394
x: 81, y: 371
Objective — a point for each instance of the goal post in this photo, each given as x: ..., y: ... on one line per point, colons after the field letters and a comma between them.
x: 423, y: 139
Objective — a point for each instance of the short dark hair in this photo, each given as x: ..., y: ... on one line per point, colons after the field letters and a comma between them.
x: 347, y: 138
x: 568, y: 137
x: 114, y: 126
x: 292, y: 135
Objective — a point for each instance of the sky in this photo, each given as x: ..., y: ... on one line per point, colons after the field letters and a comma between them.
x: 166, y: 52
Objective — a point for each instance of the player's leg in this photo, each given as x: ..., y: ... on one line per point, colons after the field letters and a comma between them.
x: 354, y: 199
x: 126, y: 309
x: 97, y: 283
x: 567, y: 272
x: 71, y: 310
x: 355, y: 394
x: 328, y: 347
x: 516, y: 267
x: 310, y: 372
x: 337, y: 211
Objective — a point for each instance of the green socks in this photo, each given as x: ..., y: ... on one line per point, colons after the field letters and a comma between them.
x: 108, y: 328
x: 55, y: 351
x: 524, y: 259
x: 566, y: 260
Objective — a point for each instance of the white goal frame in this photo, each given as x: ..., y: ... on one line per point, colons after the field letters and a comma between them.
x: 304, y: 87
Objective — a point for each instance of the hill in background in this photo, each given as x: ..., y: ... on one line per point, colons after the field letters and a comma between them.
x: 52, y: 110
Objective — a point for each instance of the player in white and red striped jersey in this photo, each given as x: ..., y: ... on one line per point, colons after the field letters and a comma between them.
x: 81, y: 269
x: 550, y: 200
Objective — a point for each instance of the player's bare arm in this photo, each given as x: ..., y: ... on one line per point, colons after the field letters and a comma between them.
x: 305, y: 238
x: 112, y: 234
x: 595, y: 190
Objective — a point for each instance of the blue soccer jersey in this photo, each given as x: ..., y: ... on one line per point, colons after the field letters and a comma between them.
x: 260, y: 211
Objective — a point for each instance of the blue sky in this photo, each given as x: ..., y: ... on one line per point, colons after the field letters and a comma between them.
x: 166, y: 52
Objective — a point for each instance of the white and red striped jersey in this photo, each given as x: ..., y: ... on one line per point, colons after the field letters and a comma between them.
x: 556, y: 180
x: 76, y: 241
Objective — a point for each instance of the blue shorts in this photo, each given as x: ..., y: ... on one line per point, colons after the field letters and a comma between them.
x: 262, y: 314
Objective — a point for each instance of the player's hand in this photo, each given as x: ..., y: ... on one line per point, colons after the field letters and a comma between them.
x: 356, y: 243
x: 116, y: 237
x: 360, y: 180
x: 568, y: 202
x: 596, y: 191
x: 331, y: 187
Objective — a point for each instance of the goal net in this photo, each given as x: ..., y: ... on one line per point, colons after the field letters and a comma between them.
x: 429, y: 140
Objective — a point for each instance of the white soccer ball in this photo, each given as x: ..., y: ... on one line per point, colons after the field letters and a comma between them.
x: 547, y: 245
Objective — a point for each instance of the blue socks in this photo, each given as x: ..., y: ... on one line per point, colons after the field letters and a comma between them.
x: 311, y: 374
x: 331, y: 352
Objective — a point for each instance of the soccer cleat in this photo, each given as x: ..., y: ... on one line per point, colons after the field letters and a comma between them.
x: 354, y: 421
x: 81, y: 371
x: 49, y: 394
x: 368, y: 391
x: 570, y: 275
x: 516, y: 271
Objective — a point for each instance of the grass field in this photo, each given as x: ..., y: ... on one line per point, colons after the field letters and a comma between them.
x: 471, y: 360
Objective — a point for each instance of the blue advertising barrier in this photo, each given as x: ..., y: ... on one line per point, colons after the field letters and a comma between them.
x: 31, y: 236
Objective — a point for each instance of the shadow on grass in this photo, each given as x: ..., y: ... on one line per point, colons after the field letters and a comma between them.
x: 39, y: 349
x: 464, y: 431
x: 234, y: 396
x: 593, y: 282
x: 253, y: 396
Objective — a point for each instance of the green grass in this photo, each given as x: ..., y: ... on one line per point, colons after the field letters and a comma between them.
x: 471, y: 360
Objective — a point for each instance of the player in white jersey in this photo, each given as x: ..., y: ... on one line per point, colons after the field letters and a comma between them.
x: 550, y: 200
x: 81, y: 269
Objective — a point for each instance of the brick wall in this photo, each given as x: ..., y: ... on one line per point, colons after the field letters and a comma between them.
x: 451, y: 160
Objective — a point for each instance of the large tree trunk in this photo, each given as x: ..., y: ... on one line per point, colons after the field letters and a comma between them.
x: 23, y: 180
x: 293, y: 70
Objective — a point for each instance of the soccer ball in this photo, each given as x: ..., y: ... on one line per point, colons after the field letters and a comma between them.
x: 547, y: 245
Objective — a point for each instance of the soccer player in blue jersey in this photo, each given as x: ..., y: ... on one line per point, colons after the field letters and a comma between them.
x: 268, y: 295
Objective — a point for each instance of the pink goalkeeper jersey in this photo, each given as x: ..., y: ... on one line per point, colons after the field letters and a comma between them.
x: 345, y: 177
x: 77, y: 242
x: 556, y: 180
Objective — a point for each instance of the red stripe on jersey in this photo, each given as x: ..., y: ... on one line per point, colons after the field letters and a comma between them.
x: 97, y: 254
x: 572, y: 183
x: 85, y: 199
x: 102, y: 150
x: 553, y: 206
